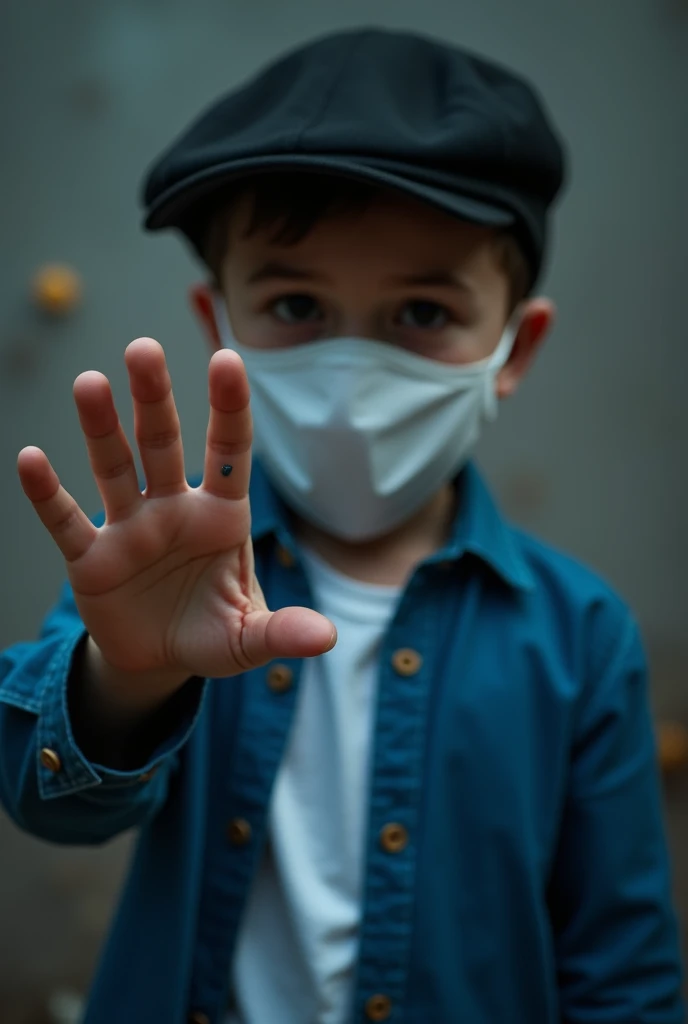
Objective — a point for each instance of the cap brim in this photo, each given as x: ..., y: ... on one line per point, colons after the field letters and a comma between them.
x: 175, y: 206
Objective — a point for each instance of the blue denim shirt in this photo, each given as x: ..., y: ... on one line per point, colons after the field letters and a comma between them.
x: 517, y: 752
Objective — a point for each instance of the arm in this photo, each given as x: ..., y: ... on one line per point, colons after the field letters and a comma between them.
x: 162, y: 595
x: 610, y: 896
x: 108, y: 779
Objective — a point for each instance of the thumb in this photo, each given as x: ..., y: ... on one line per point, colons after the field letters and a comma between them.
x: 287, y: 633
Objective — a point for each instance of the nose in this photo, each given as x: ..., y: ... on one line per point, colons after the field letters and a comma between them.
x: 359, y: 324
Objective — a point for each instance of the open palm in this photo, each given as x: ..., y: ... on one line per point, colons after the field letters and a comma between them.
x: 168, y: 582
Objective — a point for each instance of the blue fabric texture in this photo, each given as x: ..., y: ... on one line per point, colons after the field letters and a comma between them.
x: 520, y: 757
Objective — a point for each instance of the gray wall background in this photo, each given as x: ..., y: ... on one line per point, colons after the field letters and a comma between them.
x: 591, y: 454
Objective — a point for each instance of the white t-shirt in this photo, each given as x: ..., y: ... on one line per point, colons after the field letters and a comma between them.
x: 298, y: 942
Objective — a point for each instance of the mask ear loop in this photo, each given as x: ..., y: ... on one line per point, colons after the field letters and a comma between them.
x: 224, y: 328
x: 498, y: 360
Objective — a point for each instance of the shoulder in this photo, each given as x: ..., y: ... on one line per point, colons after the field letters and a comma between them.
x: 556, y: 571
x: 574, y: 602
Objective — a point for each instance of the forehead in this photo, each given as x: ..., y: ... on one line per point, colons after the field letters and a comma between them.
x: 390, y: 231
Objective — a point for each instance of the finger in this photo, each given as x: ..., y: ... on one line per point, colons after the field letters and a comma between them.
x: 156, y: 423
x: 228, y: 442
x: 287, y: 633
x: 66, y: 523
x: 111, y: 458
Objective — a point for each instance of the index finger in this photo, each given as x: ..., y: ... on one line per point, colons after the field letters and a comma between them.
x: 227, y: 468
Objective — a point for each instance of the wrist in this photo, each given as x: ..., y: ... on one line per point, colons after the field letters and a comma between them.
x: 128, y: 693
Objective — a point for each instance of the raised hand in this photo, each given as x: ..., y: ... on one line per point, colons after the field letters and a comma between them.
x: 167, y: 584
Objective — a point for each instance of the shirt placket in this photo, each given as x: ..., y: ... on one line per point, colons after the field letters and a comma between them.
x: 394, y: 812
x: 238, y: 820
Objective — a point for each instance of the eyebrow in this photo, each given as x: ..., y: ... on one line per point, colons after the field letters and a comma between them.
x: 275, y: 270
x: 283, y: 272
x: 434, y: 279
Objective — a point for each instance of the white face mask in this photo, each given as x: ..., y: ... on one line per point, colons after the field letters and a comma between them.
x: 356, y: 434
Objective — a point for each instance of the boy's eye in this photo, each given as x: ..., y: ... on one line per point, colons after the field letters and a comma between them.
x: 421, y: 313
x: 296, y: 309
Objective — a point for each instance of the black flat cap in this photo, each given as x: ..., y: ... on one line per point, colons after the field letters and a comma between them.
x: 392, y: 108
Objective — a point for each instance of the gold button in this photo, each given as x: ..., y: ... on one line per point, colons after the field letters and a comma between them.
x: 279, y: 678
x: 393, y: 837
x: 147, y: 776
x: 198, y: 1018
x: 285, y: 557
x: 50, y: 760
x: 406, y: 661
x: 378, y: 1007
x: 239, y: 832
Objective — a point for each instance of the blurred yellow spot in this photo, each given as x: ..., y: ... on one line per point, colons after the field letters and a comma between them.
x: 57, y: 288
x: 672, y: 738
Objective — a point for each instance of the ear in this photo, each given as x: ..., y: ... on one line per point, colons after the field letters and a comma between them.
x: 201, y: 301
x: 537, y: 318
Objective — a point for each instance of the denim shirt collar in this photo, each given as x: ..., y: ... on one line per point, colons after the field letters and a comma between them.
x: 478, y: 527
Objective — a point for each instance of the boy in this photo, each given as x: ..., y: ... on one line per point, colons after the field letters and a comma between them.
x: 452, y: 813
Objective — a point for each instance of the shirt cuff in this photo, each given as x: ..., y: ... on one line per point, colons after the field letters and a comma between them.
x: 62, y: 767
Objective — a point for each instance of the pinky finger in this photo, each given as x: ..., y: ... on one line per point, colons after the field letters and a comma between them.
x: 67, y: 524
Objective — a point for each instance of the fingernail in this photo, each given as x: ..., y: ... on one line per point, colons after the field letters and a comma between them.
x: 333, y: 641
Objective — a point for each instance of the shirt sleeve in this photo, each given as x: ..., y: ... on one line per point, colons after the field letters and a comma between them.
x: 615, y: 931
x: 47, y: 785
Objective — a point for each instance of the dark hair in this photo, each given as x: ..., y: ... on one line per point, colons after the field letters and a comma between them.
x: 293, y: 204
